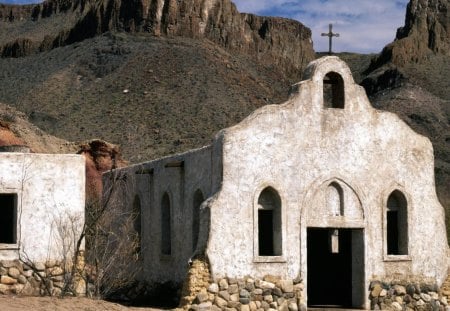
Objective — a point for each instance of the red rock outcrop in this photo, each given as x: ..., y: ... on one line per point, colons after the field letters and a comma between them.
x: 100, y: 157
x: 7, y: 137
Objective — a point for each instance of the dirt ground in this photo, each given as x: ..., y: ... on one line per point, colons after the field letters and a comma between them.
x: 14, y: 303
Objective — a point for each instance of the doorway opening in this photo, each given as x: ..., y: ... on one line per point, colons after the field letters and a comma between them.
x: 335, y: 267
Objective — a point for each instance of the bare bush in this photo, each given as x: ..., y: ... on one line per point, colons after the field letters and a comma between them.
x: 111, y: 238
x: 107, y: 230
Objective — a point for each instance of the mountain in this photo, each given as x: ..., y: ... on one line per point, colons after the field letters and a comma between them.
x: 272, y: 41
x: 411, y: 77
x: 155, y: 77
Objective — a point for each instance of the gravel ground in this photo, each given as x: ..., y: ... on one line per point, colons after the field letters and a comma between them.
x: 14, y: 303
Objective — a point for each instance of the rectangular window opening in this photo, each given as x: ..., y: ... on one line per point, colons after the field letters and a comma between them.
x: 265, y: 230
x: 392, y: 233
x: 333, y: 91
x: 8, y: 219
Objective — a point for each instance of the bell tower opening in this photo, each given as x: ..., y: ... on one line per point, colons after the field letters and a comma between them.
x: 333, y: 91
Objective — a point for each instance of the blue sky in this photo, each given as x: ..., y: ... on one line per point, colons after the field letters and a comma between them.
x: 365, y: 26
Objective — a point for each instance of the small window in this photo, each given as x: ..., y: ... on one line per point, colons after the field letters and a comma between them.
x: 335, y: 199
x: 397, y: 224
x: 8, y: 219
x: 137, y: 223
x: 198, y: 199
x: 333, y: 91
x: 166, y: 239
x: 269, y: 223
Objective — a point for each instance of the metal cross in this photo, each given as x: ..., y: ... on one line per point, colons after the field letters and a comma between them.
x: 330, y: 36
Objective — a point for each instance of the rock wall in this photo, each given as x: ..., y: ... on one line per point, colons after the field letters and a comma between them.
x: 430, y: 20
x: 406, y: 296
x: 253, y: 294
x: 200, y: 292
x: 38, y: 279
x: 426, y: 32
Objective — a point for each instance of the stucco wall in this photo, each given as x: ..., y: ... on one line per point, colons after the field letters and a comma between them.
x: 299, y: 148
x: 180, y: 176
x: 50, y: 192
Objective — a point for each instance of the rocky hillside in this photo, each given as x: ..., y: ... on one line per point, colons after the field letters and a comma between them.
x: 426, y: 33
x: 151, y: 95
x: 128, y: 71
x: 15, y: 129
x: 272, y: 41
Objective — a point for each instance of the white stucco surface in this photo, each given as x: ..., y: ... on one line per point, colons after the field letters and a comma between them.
x: 50, y: 191
x: 299, y: 148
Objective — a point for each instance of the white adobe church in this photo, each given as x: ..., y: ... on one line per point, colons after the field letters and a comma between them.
x: 322, y: 200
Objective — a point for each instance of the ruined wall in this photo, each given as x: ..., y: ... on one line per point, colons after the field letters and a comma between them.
x: 182, y: 182
x: 49, y: 196
x: 299, y: 149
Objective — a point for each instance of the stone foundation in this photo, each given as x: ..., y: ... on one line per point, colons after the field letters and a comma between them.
x: 201, y: 292
x: 39, y: 279
x: 405, y: 296
x: 250, y: 294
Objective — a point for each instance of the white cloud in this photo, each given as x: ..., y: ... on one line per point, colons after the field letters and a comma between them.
x: 365, y: 26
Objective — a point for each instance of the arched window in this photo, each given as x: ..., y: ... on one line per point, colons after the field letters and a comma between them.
x: 333, y: 91
x: 269, y: 223
x: 335, y: 199
x: 137, y: 222
x: 397, y: 224
x: 166, y: 239
x: 198, y: 199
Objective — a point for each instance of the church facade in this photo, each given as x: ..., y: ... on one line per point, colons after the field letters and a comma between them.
x: 322, y: 200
